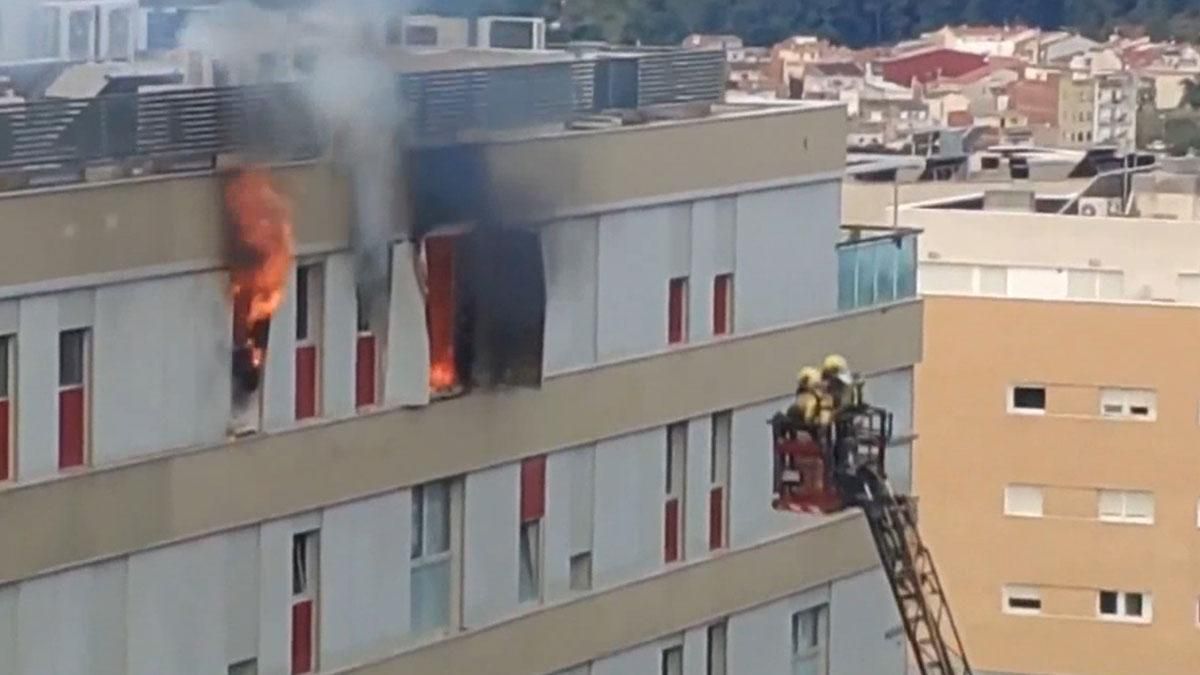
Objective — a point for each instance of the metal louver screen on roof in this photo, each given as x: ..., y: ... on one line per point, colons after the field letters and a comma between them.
x: 681, y: 77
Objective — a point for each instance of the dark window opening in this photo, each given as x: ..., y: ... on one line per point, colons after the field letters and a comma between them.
x: 511, y: 35
x: 990, y: 163
x: 1108, y: 602
x: 1025, y: 603
x: 1029, y: 398
x: 421, y: 36
x: 486, y: 300
x: 71, y: 358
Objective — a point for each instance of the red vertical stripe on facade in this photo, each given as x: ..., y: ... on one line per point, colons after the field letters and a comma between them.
x: 302, y: 637
x: 5, y: 451
x: 70, y: 427
x: 671, y: 531
x: 306, y: 382
x: 677, y: 299
x: 716, y: 519
x: 721, y: 288
x: 533, y: 488
x: 364, y: 371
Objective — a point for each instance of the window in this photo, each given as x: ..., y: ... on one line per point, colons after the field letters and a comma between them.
x: 672, y: 660
x: 677, y: 297
x: 429, y: 576
x: 810, y: 643
x: 421, y: 36
x: 722, y: 304
x: 718, y: 497
x: 6, y: 388
x: 308, y: 329
x: 1022, y: 600
x: 119, y: 34
x: 80, y: 35
x: 366, y: 359
x: 1023, y: 500
x: 1124, y: 606
x: 304, y: 598
x: 533, y: 510
x: 1138, y: 404
x: 72, y: 397
x: 715, y: 661
x: 1027, y: 399
x: 1095, y: 284
x: 1125, y: 506
x: 581, y: 571
x: 582, y: 500
x: 675, y: 476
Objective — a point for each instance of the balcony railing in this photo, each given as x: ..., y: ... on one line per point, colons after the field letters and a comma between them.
x: 876, y: 266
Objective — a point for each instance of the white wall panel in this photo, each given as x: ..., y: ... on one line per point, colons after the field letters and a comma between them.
x: 630, y: 492
x: 279, y: 377
x: 786, y: 258
x: 69, y: 623
x: 866, y: 635
x: 570, y: 504
x: 699, y: 460
x: 339, y: 333
x: 160, y: 364
x: 241, y: 594
x: 37, y: 388
x: 1034, y: 282
x: 406, y: 380
x: 751, y: 518
x: 569, y: 251
x: 8, y: 629
x: 177, y: 609
x: 634, y: 271
x: 10, y: 316
x: 893, y: 390
x: 712, y: 249
x: 695, y: 651
x: 642, y: 660
x: 490, y: 566
x: 364, y: 578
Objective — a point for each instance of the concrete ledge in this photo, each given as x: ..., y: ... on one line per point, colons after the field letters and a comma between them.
x: 598, y: 625
x: 180, y: 495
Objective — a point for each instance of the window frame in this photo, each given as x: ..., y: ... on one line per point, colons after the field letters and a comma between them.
x: 1009, y: 510
x: 422, y: 555
x: 529, y: 555
x: 1011, y: 400
x: 1124, y: 517
x: 1128, y: 399
x: 1018, y: 592
x: 818, y: 647
x: 1121, y: 606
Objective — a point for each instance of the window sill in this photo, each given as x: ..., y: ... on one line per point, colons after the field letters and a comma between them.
x: 1124, y: 521
x: 1027, y: 412
x: 1136, y: 621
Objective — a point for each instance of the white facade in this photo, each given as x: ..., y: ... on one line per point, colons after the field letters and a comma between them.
x: 158, y: 380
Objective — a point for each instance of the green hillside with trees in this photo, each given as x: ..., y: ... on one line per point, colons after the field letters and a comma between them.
x: 851, y: 22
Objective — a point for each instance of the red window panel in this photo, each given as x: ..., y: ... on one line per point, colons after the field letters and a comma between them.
x: 306, y: 382
x: 365, y: 369
x: 5, y: 450
x: 533, y: 488
x: 440, y: 312
x: 671, y: 531
x: 722, y: 304
x: 677, y: 311
x: 716, y: 518
x: 302, y: 637
x: 70, y: 427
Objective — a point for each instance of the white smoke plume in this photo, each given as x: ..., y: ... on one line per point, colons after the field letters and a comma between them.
x: 352, y: 87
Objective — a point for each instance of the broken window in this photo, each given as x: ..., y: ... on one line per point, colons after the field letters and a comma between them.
x: 485, y: 308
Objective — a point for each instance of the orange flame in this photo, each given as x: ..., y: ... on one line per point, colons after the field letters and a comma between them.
x: 439, y: 261
x: 261, y: 218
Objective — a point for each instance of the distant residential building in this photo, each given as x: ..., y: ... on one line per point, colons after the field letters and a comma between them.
x: 929, y: 64
x: 790, y: 57
x: 1076, y: 109
x: 702, y: 41
x: 1036, y: 99
x: 1063, y: 46
x: 1018, y: 41
x: 1118, y: 98
x: 832, y: 81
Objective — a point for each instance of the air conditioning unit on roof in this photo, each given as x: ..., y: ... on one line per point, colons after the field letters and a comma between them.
x: 1100, y: 207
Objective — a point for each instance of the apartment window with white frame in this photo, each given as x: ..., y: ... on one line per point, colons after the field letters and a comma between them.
x: 1027, y: 399
x: 1095, y: 284
x: 810, y: 641
x: 1023, y: 500
x: 715, y: 657
x: 1135, y: 607
x: 1125, y: 506
x: 429, y: 575
x: 1133, y: 404
x: 672, y: 660
x: 1022, y: 600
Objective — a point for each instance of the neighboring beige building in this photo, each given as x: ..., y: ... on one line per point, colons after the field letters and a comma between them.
x: 1076, y: 110
x: 1056, y: 403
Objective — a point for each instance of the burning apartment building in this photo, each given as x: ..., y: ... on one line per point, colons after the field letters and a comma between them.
x: 537, y: 445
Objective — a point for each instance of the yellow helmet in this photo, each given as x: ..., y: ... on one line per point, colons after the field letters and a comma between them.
x: 807, y: 376
x: 835, y: 363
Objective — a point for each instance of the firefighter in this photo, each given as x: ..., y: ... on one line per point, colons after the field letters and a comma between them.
x: 836, y: 381
x: 806, y: 409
